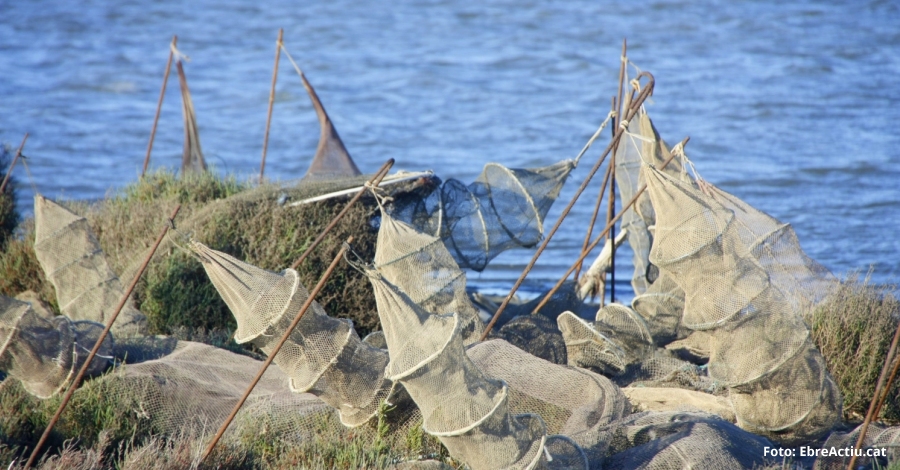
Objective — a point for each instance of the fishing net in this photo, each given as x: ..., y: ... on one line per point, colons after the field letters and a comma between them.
x: 467, y: 411
x: 423, y: 268
x: 760, y: 346
x: 70, y: 255
x: 331, y: 159
x: 504, y: 208
x: 45, y: 354
x: 192, y: 159
x: 323, y: 355
x: 878, y: 436
x: 640, y: 145
x: 678, y: 439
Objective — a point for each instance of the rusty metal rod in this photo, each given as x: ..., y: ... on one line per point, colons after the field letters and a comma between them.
x: 162, y: 93
x: 872, y: 405
x: 596, y: 241
x: 645, y: 93
x: 274, y: 352
x: 13, y: 164
x: 262, y: 166
x: 375, y: 181
x: 109, y: 324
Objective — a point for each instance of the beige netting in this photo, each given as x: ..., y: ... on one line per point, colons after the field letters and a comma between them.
x: 468, y: 412
x: 504, y: 208
x: 760, y: 345
x: 70, y: 255
x: 640, y: 145
x: 835, y: 453
x: 323, y: 355
x: 421, y: 266
x: 45, y: 354
x: 678, y: 440
x: 192, y: 158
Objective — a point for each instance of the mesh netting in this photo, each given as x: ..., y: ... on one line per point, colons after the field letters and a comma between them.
x: 677, y: 440
x: 640, y: 145
x: 468, y: 412
x: 46, y: 353
x: 760, y: 346
x: 86, y: 287
x: 192, y: 158
x: 421, y: 265
x: 504, y: 208
x: 332, y: 159
x: 323, y: 355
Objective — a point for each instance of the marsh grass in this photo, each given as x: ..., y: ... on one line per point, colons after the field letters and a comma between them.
x: 853, y: 329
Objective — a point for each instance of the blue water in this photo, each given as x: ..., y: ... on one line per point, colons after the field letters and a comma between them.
x: 791, y: 107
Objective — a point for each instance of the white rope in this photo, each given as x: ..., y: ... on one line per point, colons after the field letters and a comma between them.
x: 288, y: 54
x: 178, y: 54
x: 590, y: 142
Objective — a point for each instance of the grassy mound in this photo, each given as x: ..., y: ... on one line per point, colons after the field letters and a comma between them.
x: 853, y: 329
x: 9, y: 217
x: 252, y: 224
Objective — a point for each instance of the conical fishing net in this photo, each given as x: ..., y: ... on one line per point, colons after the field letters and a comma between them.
x: 423, y: 268
x: 760, y: 345
x: 468, y: 412
x: 192, y: 158
x: 86, y: 287
x: 641, y: 145
x: 323, y: 355
x: 332, y: 159
x: 45, y: 354
x: 504, y: 208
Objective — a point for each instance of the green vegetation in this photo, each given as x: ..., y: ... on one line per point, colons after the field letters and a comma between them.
x: 853, y: 329
x: 9, y: 217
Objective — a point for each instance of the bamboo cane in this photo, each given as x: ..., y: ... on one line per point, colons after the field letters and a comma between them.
x: 109, y: 324
x: 596, y: 241
x: 162, y: 93
x: 277, y: 348
x: 262, y: 166
x: 611, y: 236
x: 645, y: 93
x: 13, y: 164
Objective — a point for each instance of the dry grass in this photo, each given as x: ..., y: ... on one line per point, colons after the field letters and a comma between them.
x: 853, y: 329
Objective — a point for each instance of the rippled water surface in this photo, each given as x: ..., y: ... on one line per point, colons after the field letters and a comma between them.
x: 792, y: 107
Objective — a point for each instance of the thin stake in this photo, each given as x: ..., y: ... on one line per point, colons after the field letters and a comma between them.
x: 162, y: 93
x: 611, y: 210
x: 602, y: 234
x: 872, y: 405
x: 645, y: 92
x: 590, y: 231
x: 109, y: 323
x: 374, y: 182
x: 277, y: 348
x: 262, y: 167
x: 13, y: 164
x: 887, y: 387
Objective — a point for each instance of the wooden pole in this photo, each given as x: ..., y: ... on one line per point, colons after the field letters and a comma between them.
x: 645, y: 93
x: 262, y: 166
x: 274, y: 352
x: 602, y: 234
x: 109, y: 324
x: 13, y: 164
x: 162, y: 93
x: 610, y: 212
x: 875, y: 397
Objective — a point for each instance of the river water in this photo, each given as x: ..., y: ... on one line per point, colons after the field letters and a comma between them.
x: 791, y: 107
